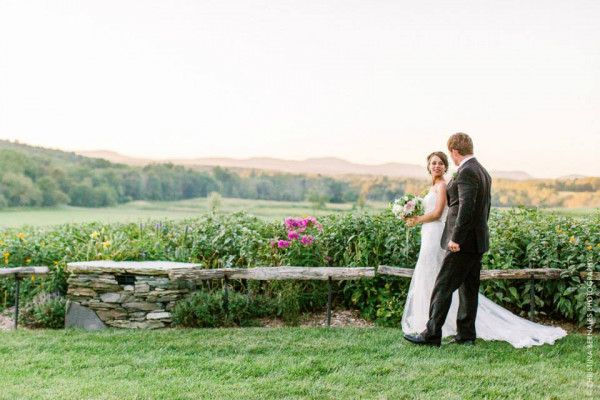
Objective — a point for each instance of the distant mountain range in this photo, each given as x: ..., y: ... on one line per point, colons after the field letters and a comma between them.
x: 326, y: 166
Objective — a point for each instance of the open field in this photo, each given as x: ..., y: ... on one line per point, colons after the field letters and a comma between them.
x: 175, y: 210
x: 573, y: 212
x: 260, y: 363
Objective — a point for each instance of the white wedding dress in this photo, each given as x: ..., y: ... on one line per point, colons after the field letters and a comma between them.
x: 492, y: 323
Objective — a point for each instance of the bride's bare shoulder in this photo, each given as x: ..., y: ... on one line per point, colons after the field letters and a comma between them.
x: 440, y: 187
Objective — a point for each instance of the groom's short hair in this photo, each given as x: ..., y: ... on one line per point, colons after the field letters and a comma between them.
x: 461, y: 142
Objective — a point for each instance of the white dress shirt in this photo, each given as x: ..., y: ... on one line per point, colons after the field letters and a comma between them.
x: 465, y: 160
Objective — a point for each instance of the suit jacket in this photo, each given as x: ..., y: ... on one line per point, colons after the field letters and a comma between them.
x: 469, y: 203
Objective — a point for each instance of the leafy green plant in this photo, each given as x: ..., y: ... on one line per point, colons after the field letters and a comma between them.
x: 520, y: 238
x: 206, y: 309
x: 44, y: 311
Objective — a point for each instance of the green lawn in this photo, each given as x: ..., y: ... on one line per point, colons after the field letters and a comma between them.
x: 174, y: 210
x: 259, y: 363
x: 177, y: 210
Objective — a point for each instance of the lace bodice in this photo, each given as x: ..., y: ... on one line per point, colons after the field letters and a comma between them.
x: 429, y: 205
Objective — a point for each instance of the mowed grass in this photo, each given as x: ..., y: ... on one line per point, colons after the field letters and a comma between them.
x: 294, y: 363
x: 172, y: 210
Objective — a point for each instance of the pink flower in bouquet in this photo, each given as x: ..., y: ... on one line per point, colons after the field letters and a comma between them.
x: 293, y: 235
x: 409, y: 207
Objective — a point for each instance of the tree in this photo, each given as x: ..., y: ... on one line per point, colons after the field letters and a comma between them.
x: 51, y: 193
x: 19, y: 190
x: 214, y: 201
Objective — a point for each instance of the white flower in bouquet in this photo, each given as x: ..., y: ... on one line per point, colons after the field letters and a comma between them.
x: 407, y: 206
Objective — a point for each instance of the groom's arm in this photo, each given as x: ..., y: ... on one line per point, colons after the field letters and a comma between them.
x: 468, y: 183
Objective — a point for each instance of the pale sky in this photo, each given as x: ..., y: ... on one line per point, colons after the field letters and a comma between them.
x: 369, y: 81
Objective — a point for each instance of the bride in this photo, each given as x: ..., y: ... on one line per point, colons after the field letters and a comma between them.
x: 493, y: 322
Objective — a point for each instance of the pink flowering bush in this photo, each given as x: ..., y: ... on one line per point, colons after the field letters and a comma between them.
x: 301, y: 245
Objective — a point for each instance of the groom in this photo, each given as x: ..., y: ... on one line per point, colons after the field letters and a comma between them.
x: 466, y: 237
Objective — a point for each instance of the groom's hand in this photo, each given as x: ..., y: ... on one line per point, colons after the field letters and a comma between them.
x: 453, y: 247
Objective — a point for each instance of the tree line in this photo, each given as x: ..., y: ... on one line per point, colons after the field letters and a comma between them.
x: 35, y: 177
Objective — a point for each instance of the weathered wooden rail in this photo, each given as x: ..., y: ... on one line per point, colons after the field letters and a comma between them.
x: 17, y: 274
x: 342, y: 273
x: 528, y: 273
x: 197, y: 272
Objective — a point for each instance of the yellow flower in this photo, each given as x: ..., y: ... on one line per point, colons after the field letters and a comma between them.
x: 559, y: 231
x: 589, y: 247
x: 28, y: 261
x: 106, y: 244
x: 572, y: 240
x: 21, y: 235
x: 216, y: 211
x: 32, y: 278
x: 94, y: 235
x: 6, y: 261
x: 598, y: 244
x: 55, y: 262
x: 6, y: 254
x: 1, y: 243
x: 43, y: 243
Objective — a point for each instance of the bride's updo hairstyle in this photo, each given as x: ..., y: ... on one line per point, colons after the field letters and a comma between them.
x: 442, y: 157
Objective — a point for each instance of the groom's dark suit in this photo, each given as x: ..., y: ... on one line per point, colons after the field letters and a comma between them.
x: 469, y: 202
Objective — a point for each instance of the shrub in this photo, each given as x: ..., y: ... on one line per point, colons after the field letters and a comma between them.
x: 520, y: 238
x: 44, y: 311
x: 200, y: 310
x: 204, y: 309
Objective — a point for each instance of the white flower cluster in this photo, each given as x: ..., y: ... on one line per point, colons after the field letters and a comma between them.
x: 407, y: 206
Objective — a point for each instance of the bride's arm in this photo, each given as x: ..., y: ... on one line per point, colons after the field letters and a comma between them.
x: 437, y: 211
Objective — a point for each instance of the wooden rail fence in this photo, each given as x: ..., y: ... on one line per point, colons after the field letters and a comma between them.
x: 329, y: 274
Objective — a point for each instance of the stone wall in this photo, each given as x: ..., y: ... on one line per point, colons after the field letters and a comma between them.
x: 124, y: 294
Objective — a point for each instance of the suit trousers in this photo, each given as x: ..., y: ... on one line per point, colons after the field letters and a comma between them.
x: 459, y: 271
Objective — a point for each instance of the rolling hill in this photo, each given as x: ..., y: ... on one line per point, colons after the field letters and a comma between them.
x: 326, y: 165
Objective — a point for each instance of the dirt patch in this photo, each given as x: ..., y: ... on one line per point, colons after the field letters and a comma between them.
x: 570, y: 327
x: 339, y: 318
x: 6, y: 321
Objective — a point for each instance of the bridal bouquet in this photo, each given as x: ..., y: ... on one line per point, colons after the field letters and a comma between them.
x: 407, y: 206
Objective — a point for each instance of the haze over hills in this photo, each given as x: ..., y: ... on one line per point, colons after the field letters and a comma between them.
x: 326, y: 166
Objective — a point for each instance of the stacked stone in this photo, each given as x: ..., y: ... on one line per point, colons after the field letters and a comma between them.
x: 145, y: 304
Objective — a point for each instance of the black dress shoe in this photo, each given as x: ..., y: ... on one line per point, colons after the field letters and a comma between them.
x: 418, y: 339
x: 466, y: 342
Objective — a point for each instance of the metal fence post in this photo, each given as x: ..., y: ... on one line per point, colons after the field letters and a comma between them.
x: 226, y: 297
x: 329, y: 302
x: 17, y: 283
x: 532, y: 299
